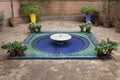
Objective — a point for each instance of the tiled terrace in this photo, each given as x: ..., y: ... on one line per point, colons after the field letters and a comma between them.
x: 39, y: 69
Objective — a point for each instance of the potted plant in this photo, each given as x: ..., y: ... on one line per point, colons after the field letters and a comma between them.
x: 31, y: 27
x: 112, y: 45
x: 88, y: 11
x: 21, y: 49
x: 95, y: 16
x: 10, y: 49
x: 100, y: 51
x: 14, y: 48
x: 32, y: 10
x: 34, y: 27
x: 13, y: 21
x: 82, y: 26
x: 105, y: 48
x: 1, y: 19
x: 88, y: 26
x: 38, y: 27
x: 101, y: 48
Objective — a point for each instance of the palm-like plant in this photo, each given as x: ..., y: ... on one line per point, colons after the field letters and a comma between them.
x: 13, y: 21
x: 12, y: 9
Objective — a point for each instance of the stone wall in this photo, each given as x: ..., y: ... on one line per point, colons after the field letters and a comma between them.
x: 67, y: 7
x: 6, y: 7
x: 58, y: 7
x: 55, y: 7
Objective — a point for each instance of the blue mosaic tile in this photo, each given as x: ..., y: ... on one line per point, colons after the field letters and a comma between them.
x: 53, y: 51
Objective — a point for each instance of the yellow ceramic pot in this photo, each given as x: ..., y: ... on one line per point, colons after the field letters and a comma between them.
x: 33, y: 18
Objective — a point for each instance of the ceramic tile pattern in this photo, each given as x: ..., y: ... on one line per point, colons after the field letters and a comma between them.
x: 40, y: 69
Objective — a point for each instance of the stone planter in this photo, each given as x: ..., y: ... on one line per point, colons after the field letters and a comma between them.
x: 82, y: 29
x: 13, y: 21
x: 32, y: 30
x: 109, y: 52
x: 20, y: 53
x: 13, y: 54
x: 99, y: 54
x: 88, y: 30
x: 106, y: 24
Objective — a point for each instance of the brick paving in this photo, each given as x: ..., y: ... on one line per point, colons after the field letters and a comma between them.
x: 39, y: 69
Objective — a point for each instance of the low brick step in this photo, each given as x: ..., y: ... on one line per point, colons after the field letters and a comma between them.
x: 65, y: 17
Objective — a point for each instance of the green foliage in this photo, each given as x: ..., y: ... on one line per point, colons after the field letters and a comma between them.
x: 89, y: 10
x: 103, y: 46
x: 31, y: 26
x: 12, y: 10
x: 30, y: 8
x: 112, y: 45
x: 89, y: 25
x: 34, y: 25
x: 38, y: 25
x: 14, y: 47
x: 22, y: 48
x: 82, y: 25
x: 1, y: 17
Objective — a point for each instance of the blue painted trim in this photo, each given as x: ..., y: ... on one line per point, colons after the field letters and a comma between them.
x: 59, y: 57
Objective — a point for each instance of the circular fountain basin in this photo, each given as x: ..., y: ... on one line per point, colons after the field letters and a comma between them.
x: 72, y: 44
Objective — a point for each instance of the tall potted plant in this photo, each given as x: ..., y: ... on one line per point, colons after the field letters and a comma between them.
x: 13, y: 21
x: 89, y: 11
x: 32, y: 10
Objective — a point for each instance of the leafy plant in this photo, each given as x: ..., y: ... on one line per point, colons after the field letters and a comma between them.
x: 102, y: 47
x: 12, y: 10
x: 38, y: 25
x: 22, y: 48
x: 31, y: 26
x: 89, y: 25
x: 14, y: 47
x: 10, y: 47
x: 34, y: 27
x: 106, y: 47
x: 30, y: 8
x: 82, y: 26
x: 112, y: 45
x: 89, y: 10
